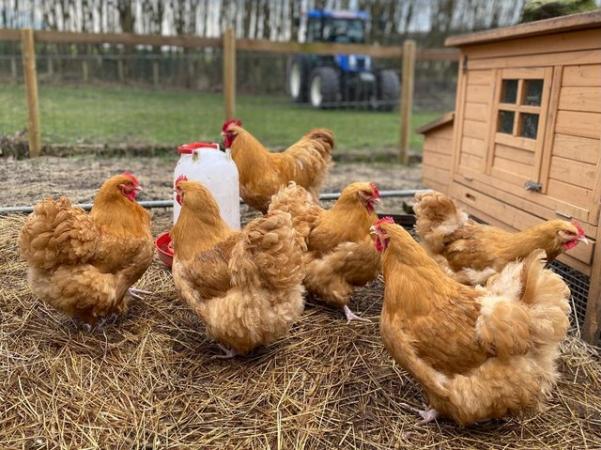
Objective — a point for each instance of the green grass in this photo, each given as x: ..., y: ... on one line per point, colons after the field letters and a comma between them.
x: 70, y: 115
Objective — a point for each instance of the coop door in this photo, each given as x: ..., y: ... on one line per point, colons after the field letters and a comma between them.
x: 517, y: 131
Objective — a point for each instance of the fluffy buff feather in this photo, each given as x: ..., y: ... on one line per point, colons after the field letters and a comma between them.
x: 479, y: 353
x: 245, y: 286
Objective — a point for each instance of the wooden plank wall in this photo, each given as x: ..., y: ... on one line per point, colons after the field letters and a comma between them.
x: 437, y: 158
x: 476, y: 120
x: 574, y: 165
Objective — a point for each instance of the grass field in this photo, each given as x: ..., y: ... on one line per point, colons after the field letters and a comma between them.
x: 71, y: 115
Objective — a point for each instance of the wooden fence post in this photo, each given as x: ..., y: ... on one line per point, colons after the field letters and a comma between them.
x: 229, y: 72
x: 407, y: 98
x: 31, y: 87
x: 13, y: 70
x: 84, y: 69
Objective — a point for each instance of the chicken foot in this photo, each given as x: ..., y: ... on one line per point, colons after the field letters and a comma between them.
x: 427, y: 415
x: 350, y: 315
x: 228, y: 353
x: 137, y: 293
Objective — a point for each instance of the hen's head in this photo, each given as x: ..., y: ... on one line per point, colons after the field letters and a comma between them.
x: 366, y: 194
x: 568, y: 234
x: 125, y: 184
x: 195, y: 196
x: 379, y: 231
x: 228, y: 133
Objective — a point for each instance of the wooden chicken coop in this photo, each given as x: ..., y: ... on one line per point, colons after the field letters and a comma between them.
x: 524, y: 142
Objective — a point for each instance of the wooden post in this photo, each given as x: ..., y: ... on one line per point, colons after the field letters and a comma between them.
x: 84, y: 69
x: 407, y: 98
x: 592, y: 319
x: 13, y: 70
x: 31, y: 87
x: 155, y: 73
x: 229, y: 72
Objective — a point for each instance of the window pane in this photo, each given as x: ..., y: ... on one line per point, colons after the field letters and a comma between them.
x: 528, y: 125
x: 506, y: 122
x: 509, y: 91
x: 533, y: 92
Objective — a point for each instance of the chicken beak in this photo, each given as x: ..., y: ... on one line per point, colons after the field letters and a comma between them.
x: 138, y: 188
x: 372, y: 230
x: 583, y: 239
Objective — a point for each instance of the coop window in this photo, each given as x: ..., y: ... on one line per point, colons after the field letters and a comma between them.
x: 520, y: 102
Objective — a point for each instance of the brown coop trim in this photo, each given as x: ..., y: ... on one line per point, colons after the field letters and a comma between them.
x: 445, y: 119
x: 572, y: 22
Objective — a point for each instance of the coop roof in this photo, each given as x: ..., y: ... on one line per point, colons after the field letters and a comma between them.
x: 446, y: 118
x: 572, y: 22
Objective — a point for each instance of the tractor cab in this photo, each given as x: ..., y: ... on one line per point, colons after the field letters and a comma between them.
x: 329, y: 81
x: 342, y: 27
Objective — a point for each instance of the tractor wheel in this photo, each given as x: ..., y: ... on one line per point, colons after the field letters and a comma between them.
x: 324, y: 89
x: 389, y: 89
x: 297, y: 80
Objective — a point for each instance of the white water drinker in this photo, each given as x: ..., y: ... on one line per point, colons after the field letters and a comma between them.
x: 206, y: 163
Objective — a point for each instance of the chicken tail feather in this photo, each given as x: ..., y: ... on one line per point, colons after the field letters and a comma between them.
x: 296, y: 201
x: 56, y: 233
x: 269, y: 254
x: 548, y: 298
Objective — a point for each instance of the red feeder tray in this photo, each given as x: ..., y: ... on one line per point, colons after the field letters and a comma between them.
x: 164, y: 247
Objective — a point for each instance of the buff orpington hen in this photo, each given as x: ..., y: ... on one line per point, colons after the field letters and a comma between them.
x: 85, y: 264
x: 479, y: 353
x: 262, y: 173
x: 472, y: 252
x: 340, y: 254
x: 246, y: 286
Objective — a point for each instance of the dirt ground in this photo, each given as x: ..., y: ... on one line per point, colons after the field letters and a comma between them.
x: 24, y: 182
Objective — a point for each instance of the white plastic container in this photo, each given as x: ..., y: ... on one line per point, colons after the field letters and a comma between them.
x: 205, y: 163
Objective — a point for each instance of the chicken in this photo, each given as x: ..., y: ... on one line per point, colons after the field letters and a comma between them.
x: 85, y: 264
x: 340, y: 253
x: 474, y: 251
x: 246, y: 286
x: 479, y: 353
x: 262, y: 173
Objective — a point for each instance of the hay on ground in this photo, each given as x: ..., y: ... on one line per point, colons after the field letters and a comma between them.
x: 148, y: 382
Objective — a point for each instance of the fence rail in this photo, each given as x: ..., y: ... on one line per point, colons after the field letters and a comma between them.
x: 230, y: 45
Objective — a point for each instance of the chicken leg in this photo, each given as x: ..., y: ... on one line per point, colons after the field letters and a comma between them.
x: 427, y: 415
x: 137, y: 293
x: 228, y: 353
x: 350, y: 315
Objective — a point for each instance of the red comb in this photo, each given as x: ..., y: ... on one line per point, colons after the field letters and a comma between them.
x: 384, y: 220
x: 578, y: 227
x: 375, y: 190
x: 131, y: 176
x: 180, y: 178
x: 227, y: 123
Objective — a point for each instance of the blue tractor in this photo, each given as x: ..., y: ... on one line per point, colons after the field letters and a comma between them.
x: 332, y: 81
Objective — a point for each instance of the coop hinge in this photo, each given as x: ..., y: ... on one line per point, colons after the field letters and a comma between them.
x: 533, y: 186
x: 563, y: 215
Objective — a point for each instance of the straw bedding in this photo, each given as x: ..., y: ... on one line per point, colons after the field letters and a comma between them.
x: 148, y: 382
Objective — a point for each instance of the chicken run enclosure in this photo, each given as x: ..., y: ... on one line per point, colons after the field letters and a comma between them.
x: 148, y: 93
x: 150, y: 380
